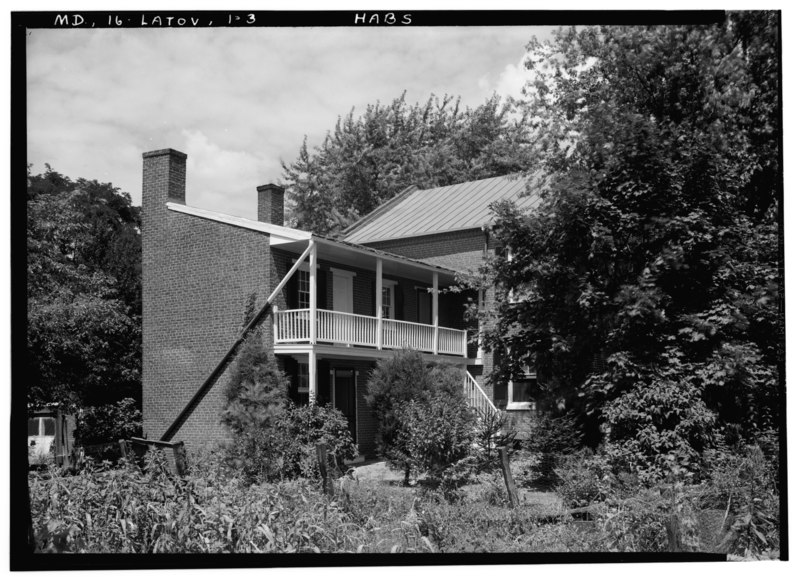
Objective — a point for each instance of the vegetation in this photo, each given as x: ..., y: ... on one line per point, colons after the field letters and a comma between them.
x: 271, y: 437
x: 84, y: 293
x: 216, y: 509
x: 647, y: 286
x: 424, y: 423
x: 366, y: 160
x: 108, y: 423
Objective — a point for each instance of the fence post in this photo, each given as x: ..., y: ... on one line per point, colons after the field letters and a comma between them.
x: 179, y: 453
x: 123, y: 448
x: 322, y: 461
x: 510, y: 486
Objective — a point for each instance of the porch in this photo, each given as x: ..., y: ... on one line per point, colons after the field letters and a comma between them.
x: 298, y: 326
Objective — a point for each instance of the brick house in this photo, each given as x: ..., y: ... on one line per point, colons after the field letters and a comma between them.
x: 333, y: 307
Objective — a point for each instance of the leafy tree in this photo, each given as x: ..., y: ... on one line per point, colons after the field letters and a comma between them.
x: 651, y: 270
x: 84, y: 292
x: 367, y: 160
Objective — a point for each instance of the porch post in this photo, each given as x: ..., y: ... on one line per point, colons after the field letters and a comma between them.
x: 312, y: 297
x: 379, y: 303
x: 435, y: 313
x: 312, y: 377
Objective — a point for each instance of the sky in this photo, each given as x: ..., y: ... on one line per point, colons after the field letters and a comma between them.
x: 238, y: 101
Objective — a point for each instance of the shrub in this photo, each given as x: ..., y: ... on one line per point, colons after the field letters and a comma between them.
x: 492, y: 431
x: 657, y: 424
x: 304, y: 427
x: 551, y: 437
x: 744, y: 484
x: 406, y: 378
x: 583, y: 479
x: 433, y: 434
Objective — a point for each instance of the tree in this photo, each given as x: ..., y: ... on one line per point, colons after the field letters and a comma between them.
x: 652, y: 267
x: 84, y: 292
x: 367, y: 160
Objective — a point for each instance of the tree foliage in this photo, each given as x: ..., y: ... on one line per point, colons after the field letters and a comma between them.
x: 368, y: 159
x: 84, y: 292
x: 647, y: 287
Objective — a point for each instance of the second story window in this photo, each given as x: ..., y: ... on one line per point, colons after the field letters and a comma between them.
x: 386, y: 302
x: 303, y: 289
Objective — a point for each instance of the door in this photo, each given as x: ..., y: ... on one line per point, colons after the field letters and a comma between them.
x: 344, y: 396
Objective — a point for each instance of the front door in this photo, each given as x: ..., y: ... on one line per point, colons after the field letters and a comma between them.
x: 344, y: 396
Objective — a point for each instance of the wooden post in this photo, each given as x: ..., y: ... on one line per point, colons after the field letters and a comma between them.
x: 322, y: 461
x: 510, y: 486
x: 123, y: 448
x: 312, y: 377
x: 312, y: 295
x: 179, y: 454
x: 435, y: 313
x: 379, y: 303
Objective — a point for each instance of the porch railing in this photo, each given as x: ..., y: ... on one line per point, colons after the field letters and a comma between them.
x: 292, y: 326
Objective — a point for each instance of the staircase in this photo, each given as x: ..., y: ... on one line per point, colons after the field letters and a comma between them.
x: 476, y: 398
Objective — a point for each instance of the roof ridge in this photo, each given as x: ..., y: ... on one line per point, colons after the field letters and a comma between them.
x: 381, y: 208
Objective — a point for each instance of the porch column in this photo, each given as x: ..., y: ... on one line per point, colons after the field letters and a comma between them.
x: 379, y: 303
x: 312, y: 377
x: 435, y: 313
x: 312, y: 297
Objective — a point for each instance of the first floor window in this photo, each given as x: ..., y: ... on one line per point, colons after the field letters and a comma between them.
x: 302, y: 378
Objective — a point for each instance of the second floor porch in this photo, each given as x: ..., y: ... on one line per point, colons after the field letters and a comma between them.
x: 336, y: 327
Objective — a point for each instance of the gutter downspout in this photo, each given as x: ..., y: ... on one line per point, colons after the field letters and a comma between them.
x: 223, y: 364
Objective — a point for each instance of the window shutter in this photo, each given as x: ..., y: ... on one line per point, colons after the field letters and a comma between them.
x: 372, y: 298
x: 322, y: 289
x: 398, y: 302
x: 291, y: 292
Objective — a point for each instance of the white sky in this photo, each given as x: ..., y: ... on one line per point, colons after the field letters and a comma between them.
x: 237, y: 101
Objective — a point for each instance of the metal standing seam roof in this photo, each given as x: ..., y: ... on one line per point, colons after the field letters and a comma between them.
x: 443, y: 209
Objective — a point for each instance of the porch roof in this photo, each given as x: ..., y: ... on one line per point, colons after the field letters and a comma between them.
x: 330, y: 249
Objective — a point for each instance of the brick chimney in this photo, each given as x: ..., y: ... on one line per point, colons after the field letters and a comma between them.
x: 270, y: 204
x: 163, y: 177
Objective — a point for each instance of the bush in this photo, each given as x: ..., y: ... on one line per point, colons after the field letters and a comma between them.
x: 433, y: 434
x: 583, y: 479
x: 743, y: 483
x: 400, y: 390
x: 552, y: 437
x: 492, y: 431
x: 304, y: 427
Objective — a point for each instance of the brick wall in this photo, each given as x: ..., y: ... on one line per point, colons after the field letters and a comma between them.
x: 460, y: 250
x: 197, y: 275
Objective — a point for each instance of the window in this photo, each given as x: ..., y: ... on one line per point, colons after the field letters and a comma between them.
x: 303, y: 289
x: 302, y: 378
x: 521, y: 390
x: 386, y: 302
x: 387, y: 299
x: 42, y: 426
